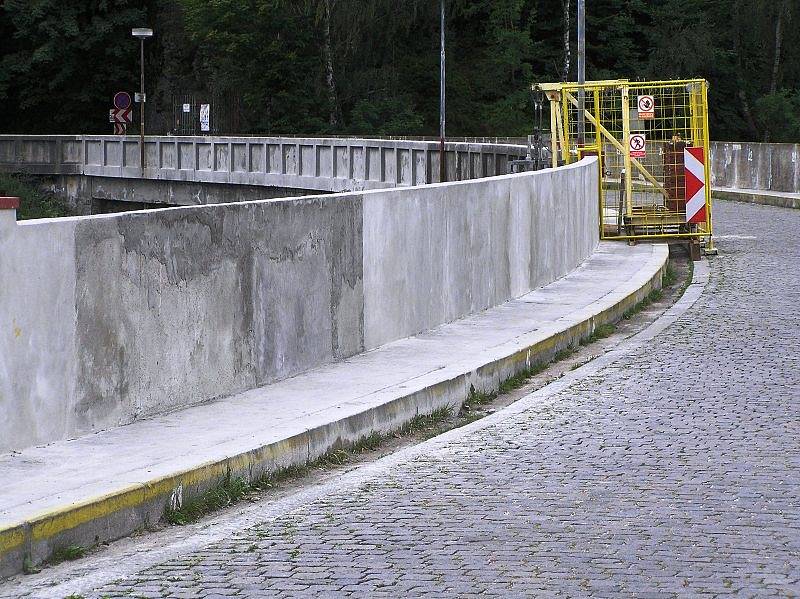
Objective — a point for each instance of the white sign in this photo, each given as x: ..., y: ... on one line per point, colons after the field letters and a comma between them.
x: 140, y: 97
x: 646, y: 106
x: 636, y: 145
x: 187, y: 107
x: 205, y: 114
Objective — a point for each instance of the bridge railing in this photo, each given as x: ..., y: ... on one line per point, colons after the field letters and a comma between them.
x: 324, y: 164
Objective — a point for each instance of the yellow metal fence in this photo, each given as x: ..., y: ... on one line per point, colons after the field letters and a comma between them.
x: 653, y: 146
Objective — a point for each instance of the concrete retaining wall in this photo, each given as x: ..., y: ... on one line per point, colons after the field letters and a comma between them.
x: 108, y: 319
x: 768, y: 167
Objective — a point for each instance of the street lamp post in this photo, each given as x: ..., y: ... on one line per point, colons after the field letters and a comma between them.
x: 442, y: 161
x: 141, y: 33
x: 581, y: 70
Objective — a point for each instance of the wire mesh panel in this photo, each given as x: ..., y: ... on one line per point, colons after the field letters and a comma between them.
x: 652, y: 142
x: 206, y: 114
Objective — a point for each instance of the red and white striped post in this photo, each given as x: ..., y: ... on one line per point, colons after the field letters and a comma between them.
x: 695, y: 164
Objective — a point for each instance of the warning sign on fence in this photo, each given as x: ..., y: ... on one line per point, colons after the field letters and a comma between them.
x: 646, y: 106
x: 637, y: 145
x: 205, y: 117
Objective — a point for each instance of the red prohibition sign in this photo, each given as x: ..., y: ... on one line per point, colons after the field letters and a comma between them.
x: 645, y: 104
x: 637, y: 142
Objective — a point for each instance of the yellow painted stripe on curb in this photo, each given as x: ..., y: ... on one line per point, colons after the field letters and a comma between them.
x: 11, y: 538
x: 56, y: 521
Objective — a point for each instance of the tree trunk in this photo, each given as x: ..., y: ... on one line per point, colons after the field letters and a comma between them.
x: 737, y: 50
x: 776, y: 64
x: 327, y: 51
x: 565, y: 73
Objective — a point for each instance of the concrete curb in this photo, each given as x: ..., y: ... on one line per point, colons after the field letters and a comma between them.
x: 761, y: 198
x: 126, y: 510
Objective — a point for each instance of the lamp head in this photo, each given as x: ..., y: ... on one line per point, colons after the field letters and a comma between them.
x: 141, y: 33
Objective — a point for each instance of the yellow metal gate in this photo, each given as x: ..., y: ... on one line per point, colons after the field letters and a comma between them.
x: 653, y: 147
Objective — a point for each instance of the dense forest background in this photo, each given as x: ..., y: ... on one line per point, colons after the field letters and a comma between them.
x: 371, y: 67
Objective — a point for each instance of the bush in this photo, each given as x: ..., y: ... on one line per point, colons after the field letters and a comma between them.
x: 33, y: 203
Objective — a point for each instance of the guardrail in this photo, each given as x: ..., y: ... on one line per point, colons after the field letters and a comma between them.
x: 323, y: 164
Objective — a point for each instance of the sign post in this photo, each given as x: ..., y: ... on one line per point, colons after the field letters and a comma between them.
x: 121, y: 114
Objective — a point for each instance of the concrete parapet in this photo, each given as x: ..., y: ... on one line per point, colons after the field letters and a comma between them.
x: 756, y: 166
x: 108, y: 319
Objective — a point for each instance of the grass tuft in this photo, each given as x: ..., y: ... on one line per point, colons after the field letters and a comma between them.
x: 670, y: 277
x: 601, y: 332
x: 225, y: 493
x: 67, y: 554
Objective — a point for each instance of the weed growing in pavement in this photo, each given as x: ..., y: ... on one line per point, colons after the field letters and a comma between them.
x: 232, y: 489
x: 565, y: 353
x: 225, y: 493
x: 67, y: 554
x: 669, y: 278
x: 28, y: 567
x: 601, y: 332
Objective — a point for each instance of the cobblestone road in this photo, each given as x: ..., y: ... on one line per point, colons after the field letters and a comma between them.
x: 673, y: 472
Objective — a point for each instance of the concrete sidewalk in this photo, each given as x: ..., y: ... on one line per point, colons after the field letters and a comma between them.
x: 758, y: 196
x: 107, y: 485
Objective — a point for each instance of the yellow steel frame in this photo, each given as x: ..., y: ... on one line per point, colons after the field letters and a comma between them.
x: 653, y: 204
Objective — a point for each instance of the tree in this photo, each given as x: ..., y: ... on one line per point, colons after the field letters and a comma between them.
x: 64, y: 63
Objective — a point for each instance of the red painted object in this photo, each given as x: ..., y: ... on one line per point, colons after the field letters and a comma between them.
x: 9, y: 203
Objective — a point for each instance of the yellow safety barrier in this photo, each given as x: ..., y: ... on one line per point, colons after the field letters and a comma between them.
x: 652, y: 141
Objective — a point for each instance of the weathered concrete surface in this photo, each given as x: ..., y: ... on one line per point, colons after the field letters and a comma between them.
x: 98, y: 195
x: 106, y: 485
x: 112, y: 318
x: 457, y: 249
x: 756, y: 166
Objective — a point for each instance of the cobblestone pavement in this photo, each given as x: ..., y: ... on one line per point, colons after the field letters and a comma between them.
x: 673, y: 472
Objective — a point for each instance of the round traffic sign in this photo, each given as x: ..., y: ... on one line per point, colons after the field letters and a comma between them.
x: 122, y: 100
x: 637, y: 141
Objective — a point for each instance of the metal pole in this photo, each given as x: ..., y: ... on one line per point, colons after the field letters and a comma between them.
x: 581, y: 70
x: 442, y: 162
x: 141, y: 108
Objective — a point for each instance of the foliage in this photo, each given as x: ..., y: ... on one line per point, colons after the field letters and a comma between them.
x: 61, y: 62
x: 371, y: 67
x: 33, y: 203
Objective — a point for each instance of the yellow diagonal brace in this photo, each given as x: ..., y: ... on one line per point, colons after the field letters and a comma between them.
x: 616, y: 143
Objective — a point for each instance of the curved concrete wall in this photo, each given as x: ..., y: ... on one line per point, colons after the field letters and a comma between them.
x: 766, y: 167
x: 107, y: 319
